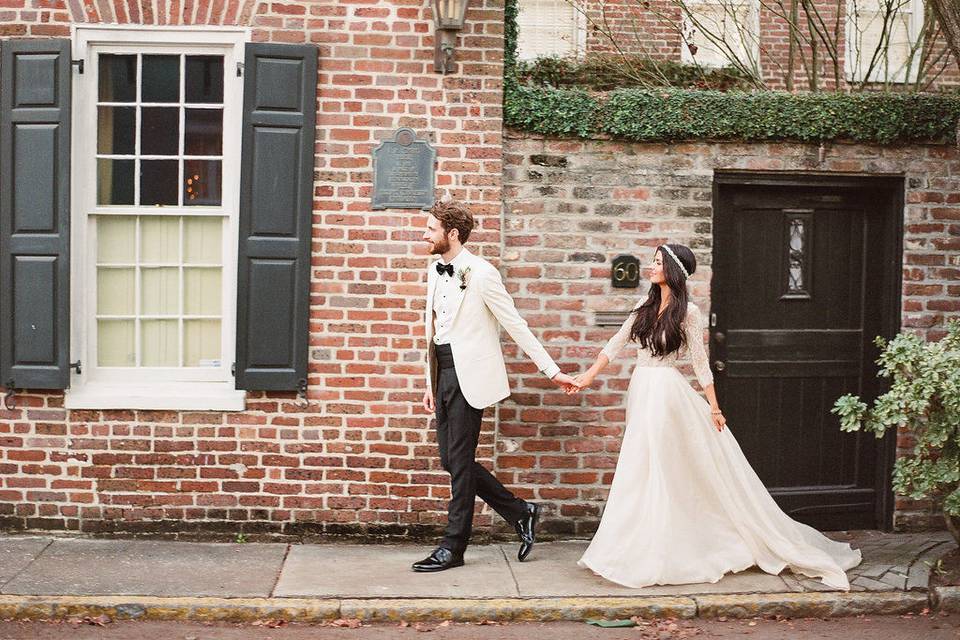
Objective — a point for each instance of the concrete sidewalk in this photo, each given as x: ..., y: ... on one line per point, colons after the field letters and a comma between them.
x: 56, y: 577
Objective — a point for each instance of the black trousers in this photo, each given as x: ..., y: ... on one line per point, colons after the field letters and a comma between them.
x: 458, y: 432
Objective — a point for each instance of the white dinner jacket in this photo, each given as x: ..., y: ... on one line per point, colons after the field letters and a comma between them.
x: 478, y: 311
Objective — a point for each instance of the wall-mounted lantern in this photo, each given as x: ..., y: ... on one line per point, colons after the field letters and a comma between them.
x: 449, y: 17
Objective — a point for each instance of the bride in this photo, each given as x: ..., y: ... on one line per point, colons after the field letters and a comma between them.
x: 685, y: 506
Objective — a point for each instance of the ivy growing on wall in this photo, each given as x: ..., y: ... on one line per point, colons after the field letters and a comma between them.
x: 670, y: 114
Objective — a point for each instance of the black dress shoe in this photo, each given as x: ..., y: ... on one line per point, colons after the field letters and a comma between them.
x: 439, y: 560
x: 527, y: 530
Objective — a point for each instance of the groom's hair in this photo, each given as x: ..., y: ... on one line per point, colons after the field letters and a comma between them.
x: 454, y: 215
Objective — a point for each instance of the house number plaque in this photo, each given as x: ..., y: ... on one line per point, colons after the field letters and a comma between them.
x: 403, y: 172
x: 625, y: 273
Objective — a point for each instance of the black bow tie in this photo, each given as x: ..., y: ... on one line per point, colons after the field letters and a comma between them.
x: 445, y: 269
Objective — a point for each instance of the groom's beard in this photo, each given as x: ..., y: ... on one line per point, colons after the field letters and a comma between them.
x: 440, y: 247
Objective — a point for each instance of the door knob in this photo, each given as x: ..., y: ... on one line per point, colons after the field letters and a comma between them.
x: 719, y: 365
x: 720, y: 336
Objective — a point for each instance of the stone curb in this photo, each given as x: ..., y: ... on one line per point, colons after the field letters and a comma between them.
x: 519, y: 609
x: 945, y: 599
x: 811, y: 605
x: 159, y: 608
x: 793, y: 605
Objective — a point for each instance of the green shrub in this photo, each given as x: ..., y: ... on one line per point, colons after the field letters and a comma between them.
x: 645, y: 115
x: 924, y: 397
x: 608, y: 71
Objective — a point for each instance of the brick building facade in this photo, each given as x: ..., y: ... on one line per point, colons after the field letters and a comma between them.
x: 356, y: 456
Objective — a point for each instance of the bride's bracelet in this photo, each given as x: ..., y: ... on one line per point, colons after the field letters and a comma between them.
x: 717, y: 412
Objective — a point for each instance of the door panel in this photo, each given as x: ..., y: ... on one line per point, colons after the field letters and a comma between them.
x: 802, y: 284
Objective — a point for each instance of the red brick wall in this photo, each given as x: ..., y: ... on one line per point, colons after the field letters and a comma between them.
x: 361, y: 453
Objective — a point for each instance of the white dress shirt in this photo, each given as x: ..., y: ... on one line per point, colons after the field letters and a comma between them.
x: 444, y: 299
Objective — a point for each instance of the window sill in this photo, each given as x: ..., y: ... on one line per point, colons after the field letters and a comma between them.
x: 206, y: 396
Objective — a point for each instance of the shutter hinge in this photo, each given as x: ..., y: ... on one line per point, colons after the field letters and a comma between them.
x: 239, y: 69
x: 10, y: 397
x: 302, y: 393
x: 76, y: 366
x: 78, y: 64
x: 233, y: 369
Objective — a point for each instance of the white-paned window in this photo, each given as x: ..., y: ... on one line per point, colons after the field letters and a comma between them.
x: 156, y: 175
x: 881, y: 35
x: 717, y: 32
x: 549, y: 28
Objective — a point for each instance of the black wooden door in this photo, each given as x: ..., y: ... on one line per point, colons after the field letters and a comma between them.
x: 806, y: 274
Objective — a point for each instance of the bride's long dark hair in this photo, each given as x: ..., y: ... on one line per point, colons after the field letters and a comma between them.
x: 649, y: 323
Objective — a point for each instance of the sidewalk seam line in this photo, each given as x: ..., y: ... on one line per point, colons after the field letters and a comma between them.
x: 919, y: 558
x: 516, y: 584
x: 283, y: 563
x: 26, y: 566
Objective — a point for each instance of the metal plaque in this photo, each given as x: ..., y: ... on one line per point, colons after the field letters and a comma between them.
x: 625, y: 273
x: 403, y: 172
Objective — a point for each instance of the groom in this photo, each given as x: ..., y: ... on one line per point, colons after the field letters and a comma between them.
x: 466, y: 306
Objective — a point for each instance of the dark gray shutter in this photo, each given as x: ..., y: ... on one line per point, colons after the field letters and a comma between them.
x: 35, y: 213
x: 276, y: 203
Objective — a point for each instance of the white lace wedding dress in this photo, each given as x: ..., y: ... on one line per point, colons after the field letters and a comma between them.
x: 685, y: 506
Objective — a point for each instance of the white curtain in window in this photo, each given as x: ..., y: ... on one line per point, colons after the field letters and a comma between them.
x: 548, y: 28
x: 159, y: 291
x: 880, y: 37
x: 735, y: 23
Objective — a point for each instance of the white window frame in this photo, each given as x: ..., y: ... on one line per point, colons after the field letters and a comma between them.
x: 902, y: 75
x: 173, y: 388
x: 579, y: 31
x: 754, y: 62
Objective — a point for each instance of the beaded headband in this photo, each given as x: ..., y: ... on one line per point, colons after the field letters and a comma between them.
x: 675, y: 259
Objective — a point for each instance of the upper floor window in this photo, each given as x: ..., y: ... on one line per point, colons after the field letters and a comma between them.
x: 718, y: 32
x: 883, y: 40
x: 549, y: 28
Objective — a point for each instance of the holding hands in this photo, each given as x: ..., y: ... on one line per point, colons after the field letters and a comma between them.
x: 575, y: 384
x: 565, y: 382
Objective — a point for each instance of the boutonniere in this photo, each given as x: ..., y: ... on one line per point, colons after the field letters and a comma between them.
x: 462, y: 277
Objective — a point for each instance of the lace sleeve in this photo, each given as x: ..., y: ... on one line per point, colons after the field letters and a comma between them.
x: 694, y: 326
x: 615, y: 345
